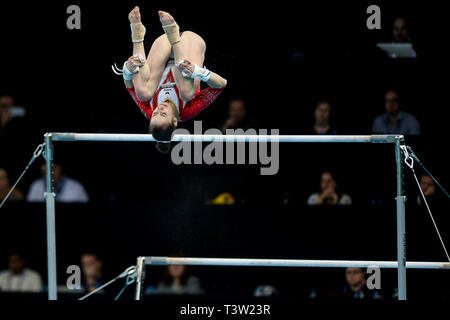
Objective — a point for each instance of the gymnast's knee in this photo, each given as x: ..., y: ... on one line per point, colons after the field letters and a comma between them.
x: 192, y: 36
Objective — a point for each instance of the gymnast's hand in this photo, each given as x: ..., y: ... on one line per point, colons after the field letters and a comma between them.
x: 186, y: 68
x: 135, y: 16
x: 133, y: 63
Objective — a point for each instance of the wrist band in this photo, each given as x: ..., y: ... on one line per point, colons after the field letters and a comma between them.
x: 137, y: 32
x: 173, y: 33
x: 127, y: 74
x: 201, y: 73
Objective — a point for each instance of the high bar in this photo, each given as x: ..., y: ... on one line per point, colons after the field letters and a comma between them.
x: 163, y: 261
x: 130, y: 137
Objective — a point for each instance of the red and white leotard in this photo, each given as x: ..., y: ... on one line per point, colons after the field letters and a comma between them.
x: 167, y: 89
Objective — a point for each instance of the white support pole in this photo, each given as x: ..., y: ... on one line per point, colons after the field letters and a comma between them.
x: 401, y: 233
x: 50, y: 210
x: 163, y: 261
x: 140, y: 276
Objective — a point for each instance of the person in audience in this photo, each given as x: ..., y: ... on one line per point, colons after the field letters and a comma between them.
x: 356, y: 285
x: 238, y: 117
x: 322, y: 115
x: 400, y: 32
x: 395, y: 121
x: 428, y: 188
x: 5, y: 187
x: 66, y: 189
x: 177, y: 280
x: 19, y: 278
x: 6, y: 104
x: 436, y: 201
x: 328, y: 194
x: 92, y: 271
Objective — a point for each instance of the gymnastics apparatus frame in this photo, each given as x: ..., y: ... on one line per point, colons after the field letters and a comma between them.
x: 401, y: 264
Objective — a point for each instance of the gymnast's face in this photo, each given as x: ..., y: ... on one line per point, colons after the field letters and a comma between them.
x: 164, y: 116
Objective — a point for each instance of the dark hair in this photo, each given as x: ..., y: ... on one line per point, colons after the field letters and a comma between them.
x: 18, y: 254
x: 163, y: 147
x: 161, y: 133
x: 392, y: 90
x: 330, y: 105
x: 331, y: 172
x: 323, y: 101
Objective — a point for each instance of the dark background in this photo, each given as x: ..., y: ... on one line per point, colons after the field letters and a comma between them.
x: 283, y: 58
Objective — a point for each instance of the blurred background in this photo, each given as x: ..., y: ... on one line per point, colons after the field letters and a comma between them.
x: 303, y: 69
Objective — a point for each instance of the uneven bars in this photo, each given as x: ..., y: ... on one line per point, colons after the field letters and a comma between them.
x: 130, y: 137
x: 163, y: 261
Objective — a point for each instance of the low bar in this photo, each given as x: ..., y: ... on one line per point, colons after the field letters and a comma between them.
x: 129, y: 137
x: 163, y: 261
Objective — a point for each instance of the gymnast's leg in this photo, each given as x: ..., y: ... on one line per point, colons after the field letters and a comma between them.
x: 147, y: 80
x: 189, y: 46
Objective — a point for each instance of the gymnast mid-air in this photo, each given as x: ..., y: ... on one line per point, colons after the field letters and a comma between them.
x: 166, y: 84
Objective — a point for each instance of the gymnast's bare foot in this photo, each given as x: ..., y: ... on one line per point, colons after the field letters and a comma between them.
x: 165, y: 18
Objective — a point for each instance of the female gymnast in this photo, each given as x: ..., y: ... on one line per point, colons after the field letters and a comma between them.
x: 168, y: 92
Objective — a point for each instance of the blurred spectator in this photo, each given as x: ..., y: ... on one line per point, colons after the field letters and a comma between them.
x: 177, y: 280
x: 395, y: 121
x: 328, y: 194
x: 355, y: 287
x: 400, y: 37
x: 5, y: 186
x: 19, y: 278
x: 265, y: 291
x: 8, y: 112
x: 429, y: 191
x: 92, y: 270
x: 6, y: 104
x: 322, y: 115
x: 238, y: 116
x: 66, y: 189
x: 400, y: 33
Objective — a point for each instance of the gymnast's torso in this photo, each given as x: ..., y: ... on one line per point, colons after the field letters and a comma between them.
x: 167, y: 89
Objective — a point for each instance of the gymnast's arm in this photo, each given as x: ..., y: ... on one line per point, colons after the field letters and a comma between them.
x: 216, y: 82
x: 132, y: 64
x: 202, y: 100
